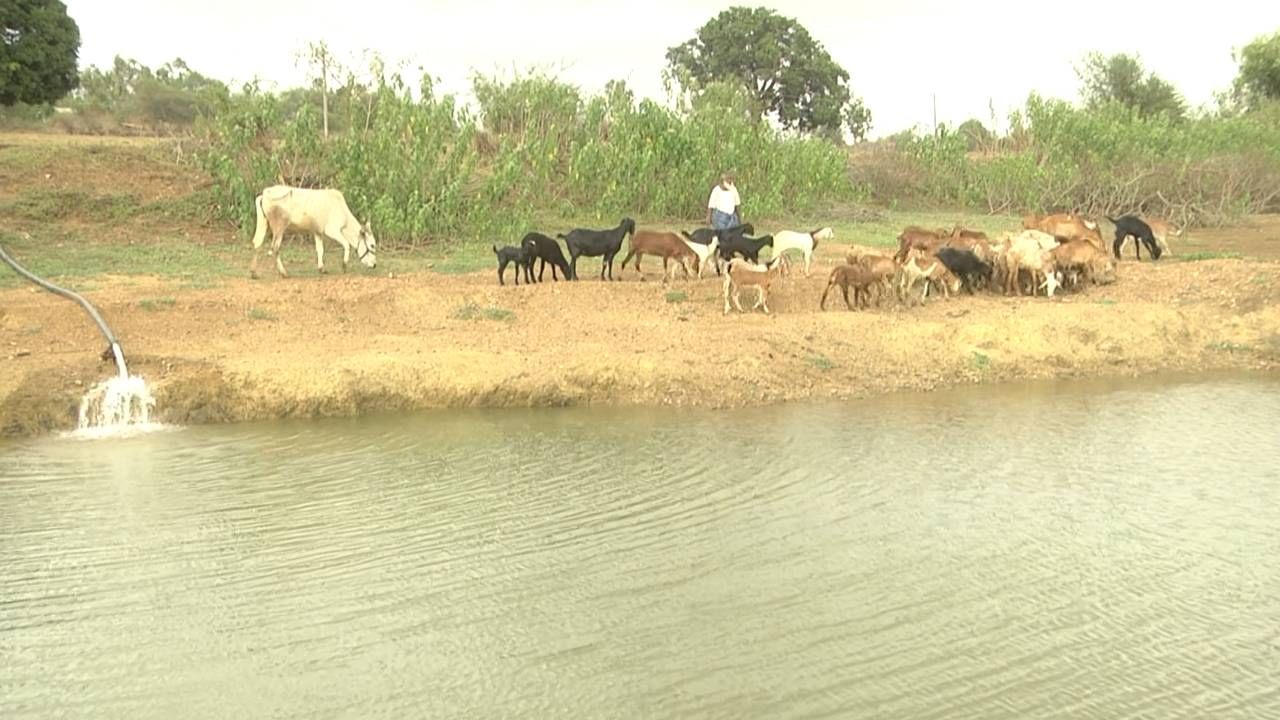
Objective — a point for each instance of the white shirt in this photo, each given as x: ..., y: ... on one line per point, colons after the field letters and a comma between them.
x: 724, y: 200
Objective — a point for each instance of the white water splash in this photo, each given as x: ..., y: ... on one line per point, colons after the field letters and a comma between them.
x: 118, y: 405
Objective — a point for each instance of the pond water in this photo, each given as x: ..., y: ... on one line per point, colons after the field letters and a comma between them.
x: 1081, y: 550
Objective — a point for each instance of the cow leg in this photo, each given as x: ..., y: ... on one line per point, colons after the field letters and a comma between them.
x: 844, y: 290
x: 275, y: 244
x: 319, y: 253
x: 808, y: 257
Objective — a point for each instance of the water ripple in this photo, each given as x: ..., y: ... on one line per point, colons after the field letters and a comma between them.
x: 914, y: 556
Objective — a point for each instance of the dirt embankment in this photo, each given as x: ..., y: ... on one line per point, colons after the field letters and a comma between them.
x: 344, y: 345
x: 347, y: 345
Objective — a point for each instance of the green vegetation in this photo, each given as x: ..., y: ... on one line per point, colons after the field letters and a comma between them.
x: 783, y: 69
x: 677, y: 296
x: 1209, y: 255
x: 1120, y: 79
x: 1057, y: 156
x: 1258, y: 81
x: 822, y: 362
x: 260, y: 314
x: 471, y: 311
x: 441, y: 181
x: 157, y: 304
x: 38, y: 47
x: 426, y: 171
x: 66, y: 259
x: 1229, y: 347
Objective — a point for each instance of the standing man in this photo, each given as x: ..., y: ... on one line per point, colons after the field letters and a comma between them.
x: 724, y: 204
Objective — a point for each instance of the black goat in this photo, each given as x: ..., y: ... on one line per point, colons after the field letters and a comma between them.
x: 518, y: 255
x: 603, y: 244
x: 544, y: 249
x: 965, y: 265
x: 1127, y: 225
x: 747, y: 247
x: 703, y: 235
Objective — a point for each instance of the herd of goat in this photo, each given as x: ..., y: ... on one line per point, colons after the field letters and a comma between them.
x: 1048, y: 253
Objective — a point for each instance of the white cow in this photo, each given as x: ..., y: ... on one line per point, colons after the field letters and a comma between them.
x: 323, y: 213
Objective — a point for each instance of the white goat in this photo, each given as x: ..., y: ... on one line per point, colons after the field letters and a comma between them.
x: 911, y: 272
x: 704, y: 252
x: 1031, y: 250
x: 806, y: 243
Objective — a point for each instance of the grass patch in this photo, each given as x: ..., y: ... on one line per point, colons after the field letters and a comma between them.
x: 157, y: 304
x: 1210, y: 255
x: 980, y: 361
x: 1106, y: 301
x: 54, y: 204
x: 1229, y: 347
x: 822, y: 362
x: 471, y: 311
x: 260, y: 314
x: 677, y: 296
x: 59, y: 256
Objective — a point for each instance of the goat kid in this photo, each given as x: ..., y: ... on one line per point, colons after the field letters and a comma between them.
x: 740, y: 273
x: 856, y: 276
x: 517, y: 255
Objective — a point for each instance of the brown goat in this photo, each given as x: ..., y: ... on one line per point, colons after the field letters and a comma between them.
x: 1067, y: 227
x: 742, y: 273
x: 883, y: 271
x: 917, y: 237
x: 666, y: 245
x: 855, y: 275
x: 1081, y: 257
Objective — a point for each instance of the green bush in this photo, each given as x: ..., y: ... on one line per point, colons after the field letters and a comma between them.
x: 1104, y: 161
x: 424, y: 170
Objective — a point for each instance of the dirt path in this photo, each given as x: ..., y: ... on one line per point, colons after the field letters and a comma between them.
x: 350, y: 345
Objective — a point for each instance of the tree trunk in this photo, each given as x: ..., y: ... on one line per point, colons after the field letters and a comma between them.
x: 324, y: 90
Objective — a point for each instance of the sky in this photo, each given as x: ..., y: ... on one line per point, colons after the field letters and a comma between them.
x: 901, y: 54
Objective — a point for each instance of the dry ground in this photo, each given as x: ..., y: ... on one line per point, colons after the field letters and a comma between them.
x: 233, y: 349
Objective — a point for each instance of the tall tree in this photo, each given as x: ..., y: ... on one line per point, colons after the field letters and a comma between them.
x: 1121, y: 79
x: 326, y: 68
x: 39, y: 45
x: 790, y: 74
x: 1259, y: 75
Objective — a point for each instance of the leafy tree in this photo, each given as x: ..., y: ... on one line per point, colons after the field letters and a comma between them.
x: 1121, y: 79
x: 39, y: 44
x: 790, y: 75
x: 172, y: 93
x: 975, y: 134
x: 326, y: 68
x: 1259, y: 76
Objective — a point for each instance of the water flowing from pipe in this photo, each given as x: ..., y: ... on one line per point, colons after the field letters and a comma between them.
x: 123, y: 401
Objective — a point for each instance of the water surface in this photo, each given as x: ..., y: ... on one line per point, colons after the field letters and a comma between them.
x: 1099, y: 550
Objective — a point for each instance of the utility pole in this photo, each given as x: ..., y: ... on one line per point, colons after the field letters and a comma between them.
x: 935, y: 114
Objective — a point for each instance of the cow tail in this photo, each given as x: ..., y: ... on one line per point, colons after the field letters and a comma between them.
x: 260, y: 230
